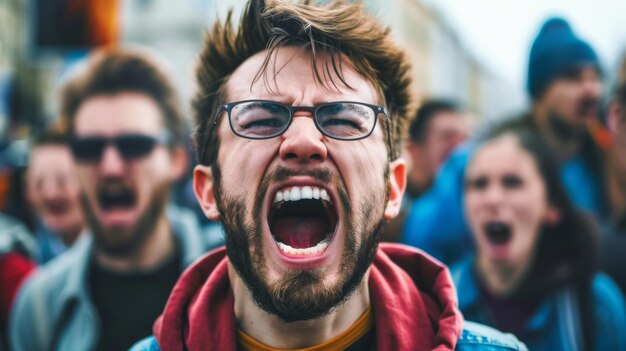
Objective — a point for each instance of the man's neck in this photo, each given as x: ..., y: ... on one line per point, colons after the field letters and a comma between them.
x: 271, y: 331
x: 156, y: 249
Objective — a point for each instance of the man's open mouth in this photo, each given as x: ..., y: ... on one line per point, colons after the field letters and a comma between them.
x: 589, y: 108
x: 302, y: 220
x: 116, y: 198
x: 498, y: 233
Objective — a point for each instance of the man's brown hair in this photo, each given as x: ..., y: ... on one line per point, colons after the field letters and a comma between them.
x: 327, y: 31
x: 115, y: 70
x: 50, y: 137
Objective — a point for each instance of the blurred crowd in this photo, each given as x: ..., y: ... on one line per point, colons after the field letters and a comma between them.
x: 529, y: 211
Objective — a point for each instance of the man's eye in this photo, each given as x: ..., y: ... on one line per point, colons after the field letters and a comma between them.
x: 340, y: 122
x: 264, y: 123
x: 343, y: 127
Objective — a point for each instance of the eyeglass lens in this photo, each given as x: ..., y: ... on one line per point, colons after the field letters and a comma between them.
x: 263, y: 119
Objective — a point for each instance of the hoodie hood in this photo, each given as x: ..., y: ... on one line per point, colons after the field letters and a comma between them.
x: 412, y: 296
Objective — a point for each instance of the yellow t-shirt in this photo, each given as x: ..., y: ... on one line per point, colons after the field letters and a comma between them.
x: 340, y: 342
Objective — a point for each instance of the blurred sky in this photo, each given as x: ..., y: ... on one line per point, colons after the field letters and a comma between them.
x: 500, y: 32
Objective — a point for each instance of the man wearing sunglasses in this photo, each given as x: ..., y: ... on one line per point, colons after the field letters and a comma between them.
x: 298, y: 120
x: 126, y: 138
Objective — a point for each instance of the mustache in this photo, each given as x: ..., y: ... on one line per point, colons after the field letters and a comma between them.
x: 108, y: 184
x: 282, y: 173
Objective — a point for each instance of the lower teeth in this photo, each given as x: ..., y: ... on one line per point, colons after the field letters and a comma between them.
x: 319, y: 248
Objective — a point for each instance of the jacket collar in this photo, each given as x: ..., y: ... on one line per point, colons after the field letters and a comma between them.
x: 184, y: 227
x: 412, y: 295
x: 470, y: 299
x: 77, y: 274
x: 187, y: 230
x: 465, y: 280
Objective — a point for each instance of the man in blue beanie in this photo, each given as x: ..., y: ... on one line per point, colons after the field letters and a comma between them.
x: 564, y: 84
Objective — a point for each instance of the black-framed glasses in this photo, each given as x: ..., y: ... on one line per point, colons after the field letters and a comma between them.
x: 89, y: 149
x: 265, y: 119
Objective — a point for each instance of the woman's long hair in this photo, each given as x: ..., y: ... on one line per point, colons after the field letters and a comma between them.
x: 566, y: 253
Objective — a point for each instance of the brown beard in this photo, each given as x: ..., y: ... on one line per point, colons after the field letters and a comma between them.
x: 299, y: 294
x: 565, y: 130
x: 116, y: 242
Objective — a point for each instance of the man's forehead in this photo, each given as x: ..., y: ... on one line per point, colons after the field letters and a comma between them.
x: 118, y: 113
x: 289, y: 70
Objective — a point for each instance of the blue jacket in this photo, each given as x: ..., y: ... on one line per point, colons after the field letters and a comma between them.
x: 53, y: 309
x: 49, y: 244
x: 436, y: 223
x: 556, y: 324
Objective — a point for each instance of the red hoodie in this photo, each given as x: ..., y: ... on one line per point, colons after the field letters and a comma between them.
x: 413, y: 298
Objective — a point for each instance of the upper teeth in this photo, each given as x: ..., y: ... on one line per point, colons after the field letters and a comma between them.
x: 297, y: 193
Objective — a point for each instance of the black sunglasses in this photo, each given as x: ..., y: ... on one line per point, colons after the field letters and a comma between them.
x: 130, y: 146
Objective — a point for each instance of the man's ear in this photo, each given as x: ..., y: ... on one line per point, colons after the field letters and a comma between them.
x: 397, y: 185
x: 180, y: 162
x: 203, y: 188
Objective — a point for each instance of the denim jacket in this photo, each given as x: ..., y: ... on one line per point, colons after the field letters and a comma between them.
x: 53, y: 309
x: 556, y: 323
x: 475, y: 337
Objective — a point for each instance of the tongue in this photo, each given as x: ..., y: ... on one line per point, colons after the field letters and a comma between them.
x: 300, y: 232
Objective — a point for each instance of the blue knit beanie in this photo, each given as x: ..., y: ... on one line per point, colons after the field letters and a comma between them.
x: 555, y: 50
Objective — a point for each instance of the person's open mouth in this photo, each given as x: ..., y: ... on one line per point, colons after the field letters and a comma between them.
x: 498, y: 233
x: 57, y: 207
x: 302, y: 220
x: 589, y: 108
x: 117, y: 202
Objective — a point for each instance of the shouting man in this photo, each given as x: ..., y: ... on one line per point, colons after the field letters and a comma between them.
x: 105, y: 292
x: 298, y: 122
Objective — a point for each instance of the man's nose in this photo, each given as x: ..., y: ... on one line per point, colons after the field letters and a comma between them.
x: 592, y: 86
x: 303, y: 142
x: 111, y: 162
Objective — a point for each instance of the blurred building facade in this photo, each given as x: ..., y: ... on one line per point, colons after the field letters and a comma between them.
x: 443, y: 66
